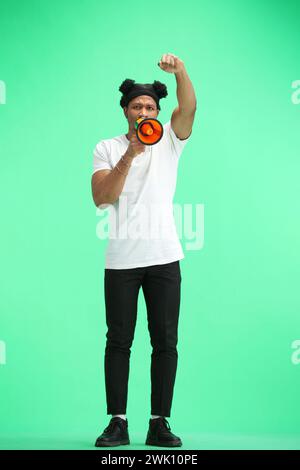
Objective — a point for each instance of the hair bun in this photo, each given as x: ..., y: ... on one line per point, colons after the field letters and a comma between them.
x: 126, y: 86
x: 160, y: 89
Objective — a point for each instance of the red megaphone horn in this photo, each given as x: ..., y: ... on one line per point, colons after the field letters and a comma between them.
x: 149, y: 131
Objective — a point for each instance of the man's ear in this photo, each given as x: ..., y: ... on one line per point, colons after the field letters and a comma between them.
x: 125, y: 109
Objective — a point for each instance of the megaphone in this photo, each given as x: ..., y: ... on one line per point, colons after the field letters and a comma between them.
x: 149, y: 131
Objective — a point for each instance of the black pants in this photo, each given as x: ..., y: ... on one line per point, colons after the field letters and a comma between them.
x: 161, y: 288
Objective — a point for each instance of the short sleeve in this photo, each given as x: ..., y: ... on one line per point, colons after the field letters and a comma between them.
x: 101, y: 162
x: 101, y: 158
x: 177, y: 144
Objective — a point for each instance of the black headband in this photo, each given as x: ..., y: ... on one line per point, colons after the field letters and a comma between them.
x: 131, y: 90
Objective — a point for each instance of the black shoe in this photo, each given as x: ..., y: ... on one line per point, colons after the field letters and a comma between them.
x: 159, y: 434
x: 116, y: 434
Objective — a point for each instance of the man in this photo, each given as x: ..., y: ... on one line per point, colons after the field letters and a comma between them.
x: 137, y: 183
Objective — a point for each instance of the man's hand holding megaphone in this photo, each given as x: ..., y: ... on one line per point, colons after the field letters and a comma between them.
x: 135, y: 147
x: 147, y: 131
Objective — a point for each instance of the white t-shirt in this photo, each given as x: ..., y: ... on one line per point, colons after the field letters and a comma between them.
x: 142, y: 230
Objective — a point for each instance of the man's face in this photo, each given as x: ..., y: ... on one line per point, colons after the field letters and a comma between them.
x: 141, y: 106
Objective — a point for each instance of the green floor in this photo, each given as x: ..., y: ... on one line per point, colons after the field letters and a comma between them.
x: 190, y: 441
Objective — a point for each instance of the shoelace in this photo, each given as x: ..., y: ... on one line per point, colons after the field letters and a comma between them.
x: 164, y: 423
x: 110, y: 426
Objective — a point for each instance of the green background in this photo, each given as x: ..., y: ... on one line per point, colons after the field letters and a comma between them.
x: 62, y: 62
